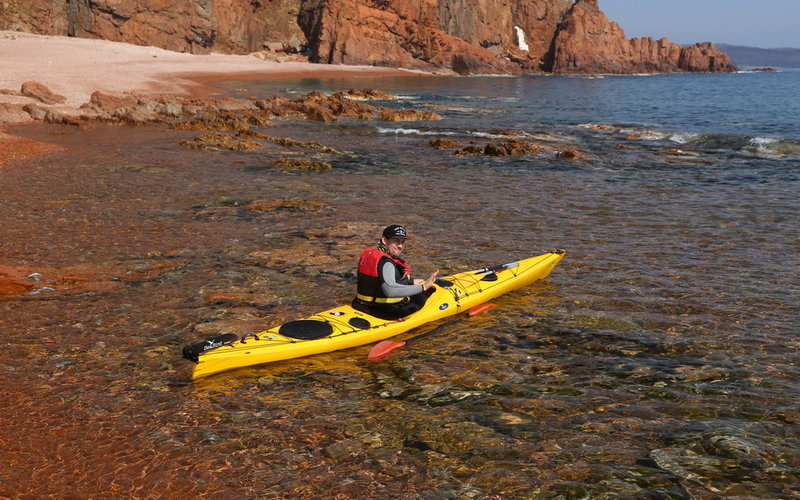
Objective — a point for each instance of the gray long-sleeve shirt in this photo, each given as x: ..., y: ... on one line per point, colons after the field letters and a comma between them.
x: 392, y: 288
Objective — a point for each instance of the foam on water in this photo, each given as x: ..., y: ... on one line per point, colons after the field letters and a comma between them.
x: 764, y: 140
x: 412, y: 131
x: 415, y: 131
x: 774, y: 147
x: 683, y: 137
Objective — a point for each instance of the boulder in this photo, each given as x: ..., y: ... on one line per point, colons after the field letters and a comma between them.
x: 345, y: 106
x: 570, y: 154
x: 107, y: 104
x: 13, y: 113
x: 41, y: 93
x: 320, y: 114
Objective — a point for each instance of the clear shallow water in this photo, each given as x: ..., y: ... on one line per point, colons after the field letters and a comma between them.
x: 658, y: 360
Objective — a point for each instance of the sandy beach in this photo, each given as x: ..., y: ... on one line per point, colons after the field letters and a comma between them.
x: 74, y: 68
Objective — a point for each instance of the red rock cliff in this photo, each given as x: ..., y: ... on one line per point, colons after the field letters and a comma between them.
x: 196, y: 26
x: 586, y: 42
x: 468, y: 36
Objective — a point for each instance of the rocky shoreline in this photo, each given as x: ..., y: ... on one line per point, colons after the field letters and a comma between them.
x: 76, y: 81
x: 183, y: 100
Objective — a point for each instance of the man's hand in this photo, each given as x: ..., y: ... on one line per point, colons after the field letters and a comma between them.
x: 429, y: 282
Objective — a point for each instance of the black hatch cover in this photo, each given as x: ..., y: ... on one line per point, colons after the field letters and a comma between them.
x: 306, y: 329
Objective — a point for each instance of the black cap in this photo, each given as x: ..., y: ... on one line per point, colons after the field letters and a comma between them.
x: 394, y: 231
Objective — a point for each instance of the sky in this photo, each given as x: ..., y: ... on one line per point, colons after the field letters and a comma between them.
x: 754, y: 23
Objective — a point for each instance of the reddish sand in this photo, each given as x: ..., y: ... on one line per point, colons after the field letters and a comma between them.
x: 15, y: 148
x: 76, y: 67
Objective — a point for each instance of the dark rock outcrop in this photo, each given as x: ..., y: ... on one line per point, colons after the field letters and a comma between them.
x: 465, y: 36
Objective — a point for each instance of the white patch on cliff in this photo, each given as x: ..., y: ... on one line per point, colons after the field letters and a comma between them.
x: 521, y: 38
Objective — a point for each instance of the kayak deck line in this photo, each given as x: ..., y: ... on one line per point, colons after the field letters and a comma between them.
x: 343, y: 327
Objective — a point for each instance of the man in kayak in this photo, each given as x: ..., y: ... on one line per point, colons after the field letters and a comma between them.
x: 385, y: 288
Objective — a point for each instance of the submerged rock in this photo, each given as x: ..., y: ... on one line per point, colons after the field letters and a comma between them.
x: 288, y: 142
x: 445, y: 143
x: 741, y: 449
x: 407, y: 115
x: 287, y: 206
x: 508, y: 147
x: 220, y: 142
x: 366, y: 95
x: 689, y: 466
x: 680, y: 152
x: 512, y: 147
x: 469, y: 150
x: 461, y: 439
x: 570, y: 154
x: 304, y: 165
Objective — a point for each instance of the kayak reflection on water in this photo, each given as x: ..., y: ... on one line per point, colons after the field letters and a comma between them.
x: 385, y: 288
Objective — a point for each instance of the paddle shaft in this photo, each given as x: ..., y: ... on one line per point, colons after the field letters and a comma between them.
x: 385, y: 348
x: 416, y: 337
x: 472, y: 312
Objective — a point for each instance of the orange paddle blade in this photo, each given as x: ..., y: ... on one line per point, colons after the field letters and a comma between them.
x: 480, y: 309
x: 383, y: 349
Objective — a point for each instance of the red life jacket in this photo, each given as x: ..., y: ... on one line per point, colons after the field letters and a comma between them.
x: 369, y: 279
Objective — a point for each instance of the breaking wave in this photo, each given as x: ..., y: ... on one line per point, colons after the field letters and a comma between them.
x: 772, y: 147
x: 465, y: 133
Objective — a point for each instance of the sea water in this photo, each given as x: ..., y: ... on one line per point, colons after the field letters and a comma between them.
x: 659, y: 359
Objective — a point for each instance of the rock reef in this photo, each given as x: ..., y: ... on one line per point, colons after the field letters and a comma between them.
x: 463, y: 36
x: 209, y: 113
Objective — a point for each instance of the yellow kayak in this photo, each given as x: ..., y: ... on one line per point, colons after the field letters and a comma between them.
x: 344, y: 327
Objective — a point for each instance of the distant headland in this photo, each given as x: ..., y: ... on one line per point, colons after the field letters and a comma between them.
x: 758, y: 57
